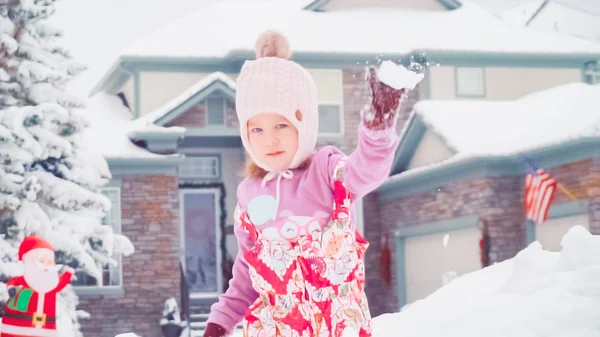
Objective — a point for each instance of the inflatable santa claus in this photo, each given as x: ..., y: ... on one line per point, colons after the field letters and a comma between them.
x: 31, y: 308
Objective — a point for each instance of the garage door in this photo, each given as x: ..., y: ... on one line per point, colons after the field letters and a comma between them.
x: 427, y: 260
x: 551, y: 232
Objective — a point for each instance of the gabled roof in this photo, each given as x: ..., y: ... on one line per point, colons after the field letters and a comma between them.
x: 206, y: 38
x: 215, y: 82
x: 557, y: 16
x: 317, y: 5
x: 477, y: 129
x: 110, y: 126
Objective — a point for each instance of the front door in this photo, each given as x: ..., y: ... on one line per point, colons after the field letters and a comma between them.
x: 200, y: 237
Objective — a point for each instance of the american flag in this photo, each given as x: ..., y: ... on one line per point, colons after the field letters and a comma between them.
x: 539, y: 193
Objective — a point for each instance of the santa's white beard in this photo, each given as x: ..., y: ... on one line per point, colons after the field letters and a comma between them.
x: 40, y: 280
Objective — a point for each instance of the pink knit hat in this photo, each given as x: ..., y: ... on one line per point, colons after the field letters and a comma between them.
x: 274, y: 84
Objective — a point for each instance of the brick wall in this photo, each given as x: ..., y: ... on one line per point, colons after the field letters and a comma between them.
x: 150, y: 219
x: 582, y: 179
x: 497, y: 201
x: 196, y: 116
x: 594, y: 196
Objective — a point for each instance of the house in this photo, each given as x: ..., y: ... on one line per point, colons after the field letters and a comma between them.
x: 176, y: 152
x: 459, y: 174
x: 578, y: 18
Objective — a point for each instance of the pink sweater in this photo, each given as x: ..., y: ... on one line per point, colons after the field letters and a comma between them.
x: 308, y: 194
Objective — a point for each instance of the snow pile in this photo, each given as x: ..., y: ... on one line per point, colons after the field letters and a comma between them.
x: 537, y: 293
x: 397, y: 76
x: 505, y: 127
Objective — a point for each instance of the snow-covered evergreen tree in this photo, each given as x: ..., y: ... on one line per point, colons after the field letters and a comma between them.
x: 49, y: 181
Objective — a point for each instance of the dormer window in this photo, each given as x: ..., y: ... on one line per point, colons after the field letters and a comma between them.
x: 216, y: 108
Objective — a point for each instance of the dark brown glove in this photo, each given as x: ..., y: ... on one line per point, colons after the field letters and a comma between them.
x: 384, y: 101
x: 214, y: 330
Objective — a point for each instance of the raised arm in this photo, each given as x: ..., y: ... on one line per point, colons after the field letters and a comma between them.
x: 370, y: 163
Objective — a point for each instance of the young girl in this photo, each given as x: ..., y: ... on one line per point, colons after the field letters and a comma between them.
x: 300, y: 266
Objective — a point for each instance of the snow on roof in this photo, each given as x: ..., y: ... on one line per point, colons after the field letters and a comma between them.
x: 506, y: 127
x: 556, y: 16
x: 231, y: 25
x: 163, y: 110
x: 110, y: 124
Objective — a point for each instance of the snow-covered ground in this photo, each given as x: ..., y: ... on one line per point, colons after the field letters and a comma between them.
x: 537, y: 293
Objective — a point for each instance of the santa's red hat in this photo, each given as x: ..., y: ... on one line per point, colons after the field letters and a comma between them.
x: 34, y: 246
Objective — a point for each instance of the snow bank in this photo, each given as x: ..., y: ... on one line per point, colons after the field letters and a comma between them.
x: 537, y: 293
x: 505, y: 127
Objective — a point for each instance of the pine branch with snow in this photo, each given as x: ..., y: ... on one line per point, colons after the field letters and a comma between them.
x: 50, y: 182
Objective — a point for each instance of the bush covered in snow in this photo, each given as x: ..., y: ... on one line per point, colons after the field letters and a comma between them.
x: 49, y: 180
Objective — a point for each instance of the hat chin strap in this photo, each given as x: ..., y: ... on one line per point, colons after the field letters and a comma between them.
x: 271, y: 174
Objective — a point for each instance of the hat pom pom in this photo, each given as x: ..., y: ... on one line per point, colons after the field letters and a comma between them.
x: 272, y: 44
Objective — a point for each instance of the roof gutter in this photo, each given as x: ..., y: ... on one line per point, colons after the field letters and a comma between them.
x: 435, y: 175
x: 450, y: 4
x: 235, y: 58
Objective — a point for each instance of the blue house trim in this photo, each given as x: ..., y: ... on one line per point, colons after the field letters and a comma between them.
x: 565, y: 209
x: 404, y: 233
x: 316, y: 5
x: 160, y: 165
x: 457, y: 168
x: 450, y: 4
x: 159, y: 141
x: 137, y: 85
x: 119, y: 73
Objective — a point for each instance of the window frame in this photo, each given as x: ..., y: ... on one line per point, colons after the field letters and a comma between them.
x: 219, y: 169
x: 591, y: 73
x: 115, y: 290
x: 339, y: 103
x: 457, y: 89
x: 207, y: 114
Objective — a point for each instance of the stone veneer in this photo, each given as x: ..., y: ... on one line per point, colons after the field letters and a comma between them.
x: 150, y: 219
x: 497, y: 201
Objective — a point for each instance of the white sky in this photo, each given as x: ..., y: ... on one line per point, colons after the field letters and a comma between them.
x: 97, y: 30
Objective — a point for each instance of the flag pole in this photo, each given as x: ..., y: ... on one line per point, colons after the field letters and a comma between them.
x: 566, y: 191
x: 560, y: 186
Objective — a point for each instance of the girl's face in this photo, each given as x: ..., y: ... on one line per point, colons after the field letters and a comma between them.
x: 273, y: 139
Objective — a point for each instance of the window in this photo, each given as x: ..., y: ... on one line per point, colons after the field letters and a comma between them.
x: 329, y: 119
x: 330, y: 87
x: 470, y: 82
x: 591, y: 73
x: 111, y: 276
x: 215, y: 108
x: 200, y: 167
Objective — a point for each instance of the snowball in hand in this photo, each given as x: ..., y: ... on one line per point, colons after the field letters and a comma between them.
x: 397, y: 76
